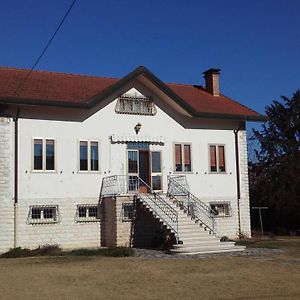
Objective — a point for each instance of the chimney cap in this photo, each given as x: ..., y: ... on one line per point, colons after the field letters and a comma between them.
x: 212, y: 71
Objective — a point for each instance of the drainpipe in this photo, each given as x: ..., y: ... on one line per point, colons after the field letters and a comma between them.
x: 238, y: 184
x: 16, y: 171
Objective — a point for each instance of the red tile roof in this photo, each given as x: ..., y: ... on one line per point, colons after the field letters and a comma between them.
x: 42, y: 86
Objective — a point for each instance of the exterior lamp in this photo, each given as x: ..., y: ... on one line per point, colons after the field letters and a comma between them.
x: 137, y: 128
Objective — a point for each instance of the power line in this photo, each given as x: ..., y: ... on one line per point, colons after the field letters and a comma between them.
x: 44, y: 50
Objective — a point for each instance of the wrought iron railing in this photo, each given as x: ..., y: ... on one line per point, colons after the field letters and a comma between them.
x: 178, y: 189
x: 122, y: 184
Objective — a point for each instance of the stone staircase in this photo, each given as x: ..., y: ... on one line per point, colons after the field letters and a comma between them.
x: 194, y: 239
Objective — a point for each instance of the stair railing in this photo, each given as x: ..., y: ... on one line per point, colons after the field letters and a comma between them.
x: 178, y: 189
x: 121, y: 184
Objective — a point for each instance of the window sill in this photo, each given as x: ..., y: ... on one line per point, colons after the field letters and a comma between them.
x: 44, y: 171
x: 42, y: 222
x: 87, y: 220
x: 223, y: 173
x: 89, y: 172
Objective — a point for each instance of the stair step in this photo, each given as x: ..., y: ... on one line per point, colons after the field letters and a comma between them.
x: 203, y: 243
x: 207, y: 248
x: 235, y: 249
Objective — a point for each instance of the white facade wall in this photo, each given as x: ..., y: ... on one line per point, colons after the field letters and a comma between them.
x: 6, y: 185
x: 67, y: 186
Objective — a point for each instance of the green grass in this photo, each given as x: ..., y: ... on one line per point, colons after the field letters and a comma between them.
x: 288, y: 243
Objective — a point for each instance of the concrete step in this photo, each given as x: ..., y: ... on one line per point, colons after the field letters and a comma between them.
x: 199, y: 251
x: 199, y: 238
x: 204, y: 243
x: 215, y: 248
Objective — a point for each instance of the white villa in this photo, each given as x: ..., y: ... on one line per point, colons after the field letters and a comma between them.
x: 91, y: 161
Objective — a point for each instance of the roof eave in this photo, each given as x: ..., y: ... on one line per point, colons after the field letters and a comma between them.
x: 258, y: 118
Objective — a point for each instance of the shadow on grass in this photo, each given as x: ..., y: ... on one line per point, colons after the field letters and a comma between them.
x: 285, y: 243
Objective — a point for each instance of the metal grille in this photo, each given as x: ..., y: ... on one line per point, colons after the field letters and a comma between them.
x: 43, y: 214
x: 87, y: 213
x: 135, y: 106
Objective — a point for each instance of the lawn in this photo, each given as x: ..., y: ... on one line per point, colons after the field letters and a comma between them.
x: 214, y: 277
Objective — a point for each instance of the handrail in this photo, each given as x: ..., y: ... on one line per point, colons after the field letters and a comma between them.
x: 122, y: 184
x: 195, y: 207
x: 161, y: 207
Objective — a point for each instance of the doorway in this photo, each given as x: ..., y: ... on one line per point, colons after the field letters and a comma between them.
x: 144, y: 164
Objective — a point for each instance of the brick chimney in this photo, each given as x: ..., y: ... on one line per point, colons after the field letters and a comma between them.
x: 211, y: 77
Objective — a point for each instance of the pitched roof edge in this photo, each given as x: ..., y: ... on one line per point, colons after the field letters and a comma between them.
x: 258, y: 118
x: 141, y: 70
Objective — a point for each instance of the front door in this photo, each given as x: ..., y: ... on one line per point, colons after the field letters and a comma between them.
x: 143, y: 164
x: 144, y: 171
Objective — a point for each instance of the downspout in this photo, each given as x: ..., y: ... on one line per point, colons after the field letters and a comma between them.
x: 238, y: 183
x: 16, y: 180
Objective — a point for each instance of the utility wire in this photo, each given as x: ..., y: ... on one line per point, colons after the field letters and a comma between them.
x: 44, y: 50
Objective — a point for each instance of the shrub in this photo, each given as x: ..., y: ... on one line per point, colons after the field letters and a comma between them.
x: 112, y: 252
x: 54, y: 250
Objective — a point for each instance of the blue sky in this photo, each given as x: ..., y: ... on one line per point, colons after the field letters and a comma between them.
x: 256, y: 44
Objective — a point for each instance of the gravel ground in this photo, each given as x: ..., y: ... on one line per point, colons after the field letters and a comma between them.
x: 263, y: 253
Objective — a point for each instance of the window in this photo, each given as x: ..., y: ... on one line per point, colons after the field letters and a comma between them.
x: 217, y: 158
x: 43, y: 214
x: 135, y: 106
x: 88, y: 156
x: 222, y: 209
x: 183, y: 161
x: 44, y: 154
x: 127, y: 212
x: 87, y: 213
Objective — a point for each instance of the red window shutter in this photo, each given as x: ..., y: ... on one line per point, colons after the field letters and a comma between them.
x: 187, y: 154
x: 221, y: 158
x: 213, y: 161
x: 178, y: 154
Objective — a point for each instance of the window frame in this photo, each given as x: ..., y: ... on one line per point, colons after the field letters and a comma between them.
x: 42, y: 219
x: 87, y: 218
x: 221, y: 203
x: 182, y: 144
x: 127, y: 218
x: 217, y: 159
x: 153, y: 174
x: 44, y: 155
x: 88, y: 141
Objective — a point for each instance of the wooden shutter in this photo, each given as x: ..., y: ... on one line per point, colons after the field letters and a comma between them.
x: 221, y: 158
x: 178, y: 157
x: 187, y: 154
x: 213, y: 160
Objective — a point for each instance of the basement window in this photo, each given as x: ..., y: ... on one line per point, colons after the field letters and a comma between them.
x: 87, y: 213
x: 127, y: 212
x: 43, y: 214
x: 135, y: 106
x: 221, y: 209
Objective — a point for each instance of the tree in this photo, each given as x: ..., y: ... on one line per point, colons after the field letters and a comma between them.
x: 275, y: 176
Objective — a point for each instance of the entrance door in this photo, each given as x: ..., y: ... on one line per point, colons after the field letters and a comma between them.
x: 144, y: 170
x: 145, y: 164
x: 139, y: 166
